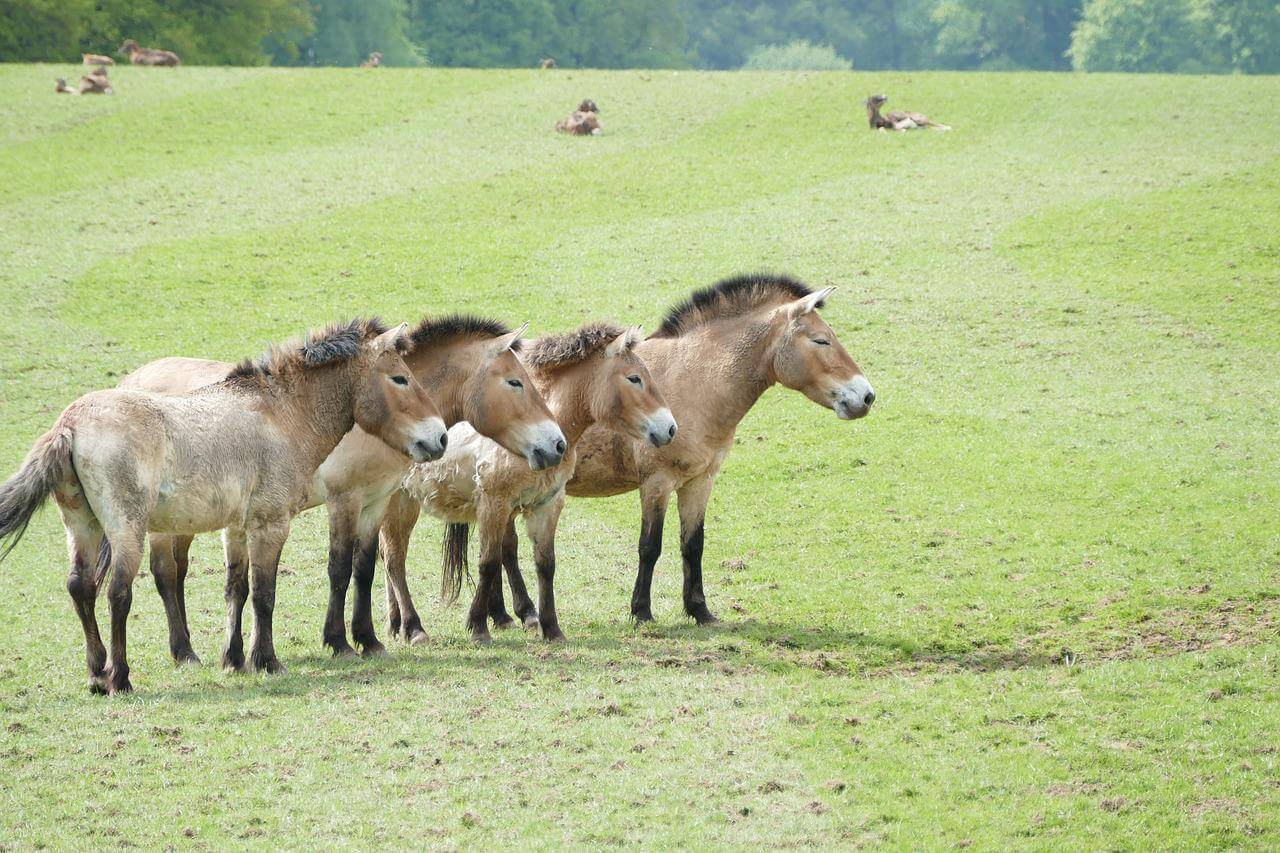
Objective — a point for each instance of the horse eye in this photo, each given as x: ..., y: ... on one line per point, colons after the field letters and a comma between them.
x: 400, y: 380
x: 634, y: 380
x: 515, y: 383
x: 822, y: 342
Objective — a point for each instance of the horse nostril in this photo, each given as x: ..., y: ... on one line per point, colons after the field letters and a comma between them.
x: 444, y: 441
x: 671, y: 431
x: 869, y: 398
x: 561, y: 447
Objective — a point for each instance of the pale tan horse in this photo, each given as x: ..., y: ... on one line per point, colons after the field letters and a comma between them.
x: 897, y: 119
x: 468, y: 366
x: 590, y: 376
x: 239, y: 454
x: 713, y: 357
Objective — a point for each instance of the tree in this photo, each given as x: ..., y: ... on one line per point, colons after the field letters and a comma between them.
x: 42, y: 29
x: 1136, y: 35
x: 345, y: 32
x: 801, y: 55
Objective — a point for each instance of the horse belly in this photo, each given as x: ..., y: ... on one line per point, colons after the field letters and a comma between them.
x: 197, y: 510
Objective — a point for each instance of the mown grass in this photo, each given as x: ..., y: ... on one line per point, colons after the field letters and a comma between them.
x: 1031, y: 601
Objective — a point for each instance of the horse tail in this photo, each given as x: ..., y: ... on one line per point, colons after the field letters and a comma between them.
x: 47, y: 464
x: 455, y: 561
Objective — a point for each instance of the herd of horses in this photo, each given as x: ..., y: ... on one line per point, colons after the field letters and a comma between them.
x: 458, y: 416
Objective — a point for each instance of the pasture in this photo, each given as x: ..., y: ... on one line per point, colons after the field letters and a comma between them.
x: 1032, y: 600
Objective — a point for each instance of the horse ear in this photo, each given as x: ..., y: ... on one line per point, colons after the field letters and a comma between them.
x: 624, y: 342
x: 390, y: 339
x: 510, y: 341
x: 805, y: 304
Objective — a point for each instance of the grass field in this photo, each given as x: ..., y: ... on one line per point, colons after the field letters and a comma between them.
x: 1032, y: 601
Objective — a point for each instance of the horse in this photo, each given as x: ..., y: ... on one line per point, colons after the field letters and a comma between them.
x: 590, y: 376
x: 374, y: 61
x: 148, y: 55
x: 547, y: 63
x: 580, y: 123
x: 713, y: 356
x: 897, y: 119
x: 96, y: 59
x: 468, y: 366
x: 239, y: 454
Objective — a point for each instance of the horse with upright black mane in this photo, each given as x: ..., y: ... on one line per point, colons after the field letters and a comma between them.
x: 469, y: 367
x: 713, y: 357
x: 591, y: 376
x: 239, y: 454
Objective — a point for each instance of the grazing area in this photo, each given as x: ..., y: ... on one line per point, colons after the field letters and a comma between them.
x: 1032, y: 599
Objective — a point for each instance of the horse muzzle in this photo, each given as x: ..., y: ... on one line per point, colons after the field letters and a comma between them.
x: 547, y: 448
x: 660, y: 428
x: 429, y: 441
x: 853, y: 399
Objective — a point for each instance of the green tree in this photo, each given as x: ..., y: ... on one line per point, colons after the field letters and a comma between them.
x: 32, y: 30
x: 1004, y: 34
x: 799, y: 55
x: 345, y: 32
x: 1243, y: 35
x: 1136, y: 35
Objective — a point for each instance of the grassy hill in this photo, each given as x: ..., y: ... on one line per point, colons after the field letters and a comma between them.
x: 1031, y: 601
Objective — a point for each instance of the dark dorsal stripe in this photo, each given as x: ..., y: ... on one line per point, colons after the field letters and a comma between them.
x: 729, y: 298
x: 570, y: 348
x: 334, y: 343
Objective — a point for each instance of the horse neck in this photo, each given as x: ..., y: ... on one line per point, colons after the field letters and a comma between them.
x: 568, y: 392
x: 317, y: 407
x: 729, y: 362
x: 444, y: 371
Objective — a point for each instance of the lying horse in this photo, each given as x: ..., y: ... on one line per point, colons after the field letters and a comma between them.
x: 148, y: 55
x: 96, y: 59
x: 467, y: 365
x: 591, y: 376
x: 713, y: 356
x: 580, y: 123
x: 239, y: 454
x: 374, y: 61
x: 897, y: 119
x: 94, y: 83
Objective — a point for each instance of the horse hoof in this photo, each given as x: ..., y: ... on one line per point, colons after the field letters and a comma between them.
x: 344, y: 651
x: 702, y: 615
x: 118, y: 684
x: 189, y: 659
x: 503, y: 622
x: 418, y: 638
x: 270, y: 665
x: 98, y: 685
x: 482, y: 639
x: 642, y: 616
x: 373, y: 650
x: 554, y: 636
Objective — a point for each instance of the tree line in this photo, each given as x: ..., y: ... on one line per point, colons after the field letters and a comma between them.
x: 1188, y: 36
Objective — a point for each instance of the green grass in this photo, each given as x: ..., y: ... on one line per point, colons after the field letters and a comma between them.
x: 1032, y: 601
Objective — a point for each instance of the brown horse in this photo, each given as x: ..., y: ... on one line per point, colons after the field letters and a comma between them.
x: 468, y: 365
x: 897, y: 119
x: 580, y: 123
x: 714, y: 355
x: 96, y: 59
x: 148, y: 55
x: 239, y: 454
x: 374, y: 61
x: 591, y: 376
x: 547, y: 63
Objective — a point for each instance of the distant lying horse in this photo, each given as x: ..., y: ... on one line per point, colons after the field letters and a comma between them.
x: 239, y: 454
x: 713, y: 357
x: 591, y: 376
x: 94, y: 83
x: 897, y: 119
x: 139, y: 55
x: 96, y: 59
x: 469, y: 366
x: 374, y: 61
x: 580, y: 123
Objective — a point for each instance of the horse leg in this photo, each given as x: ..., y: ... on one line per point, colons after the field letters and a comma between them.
x: 497, y: 607
x: 365, y: 562
x: 182, y: 559
x: 164, y: 569
x: 491, y: 521
x: 541, y: 526
x: 692, y: 500
x: 342, y: 519
x: 521, y: 603
x: 397, y: 525
x: 84, y: 542
x: 653, y: 508
x: 126, y: 557
x: 264, y: 559
x: 236, y: 549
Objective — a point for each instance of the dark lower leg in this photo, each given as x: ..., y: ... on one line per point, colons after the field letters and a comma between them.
x: 263, y: 650
x: 120, y: 598
x: 393, y: 610
x: 84, y: 595
x: 695, y: 601
x: 490, y: 572
x: 182, y: 559
x: 650, y: 549
x: 237, y: 592
x: 498, y: 607
x: 335, y: 629
x: 362, y: 631
x: 164, y: 571
x: 546, y: 563
x: 521, y: 603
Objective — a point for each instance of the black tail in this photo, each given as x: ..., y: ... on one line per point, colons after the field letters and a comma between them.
x: 455, y: 561
x: 48, y: 463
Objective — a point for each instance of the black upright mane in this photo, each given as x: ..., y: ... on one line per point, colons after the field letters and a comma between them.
x: 335, y: 343
x: 570, y: 348
x: 438, y: 330
x: 729, y: 298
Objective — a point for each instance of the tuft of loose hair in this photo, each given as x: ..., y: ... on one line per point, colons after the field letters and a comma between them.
x: 729, y: 298
x: 571, y: 347
x: 337, y: 342
x: 437, y: 330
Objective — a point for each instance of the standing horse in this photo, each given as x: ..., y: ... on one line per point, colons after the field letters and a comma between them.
x: 468, y: 365
x: 239, y: 454
x: 713, y: 356
x: 591, y: 376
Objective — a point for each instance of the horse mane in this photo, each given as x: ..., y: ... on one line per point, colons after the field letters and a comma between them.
x: 438, y: 330
x: 335, y: 343
x: 729, y: 298
x: 556, y: 351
